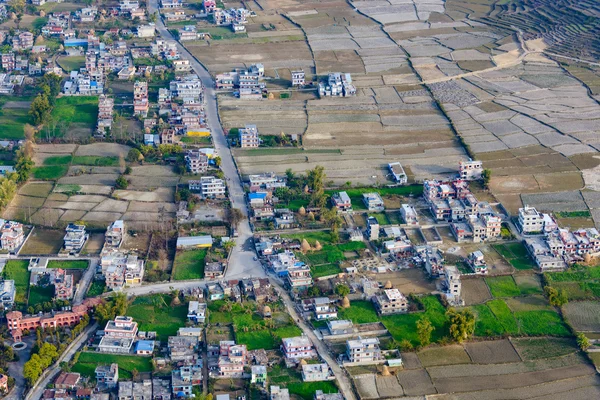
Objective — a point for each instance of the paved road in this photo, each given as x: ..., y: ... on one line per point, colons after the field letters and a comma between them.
x: 50, y: 373
x: 241, y: 263
x: 15, y: 369
x: 343, y: 380
x: 84, y: 282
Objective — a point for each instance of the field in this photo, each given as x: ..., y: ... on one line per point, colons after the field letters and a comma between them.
x: 515, y: 254
x: 72, y: 63
x: 43, y: 241
x: 159, y: 314
x: 579, y: 282
x: 87, y: 363
x: 96, y: 289
x: 359, y: 312
x: 189, y: 264
x: 292, y: 379
x: 39, y: 295
x: 17, y: 270
x: 13, y: 117
x: 503, y: 286
x: 77, y: 115
x: 50, y: 173
x: 584, y: 316
x: 69, y: 264
x: 404, y: 326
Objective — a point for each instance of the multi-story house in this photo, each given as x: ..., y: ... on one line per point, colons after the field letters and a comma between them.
x: 373, y: 202
x: 249, y: 136
x: 209, y: 6
x: 196, y: 312
x: 146, y: 31
x: 546, y: 253
x: 372, y: 228
x: 7, y: 293
x: 281, y: 262
x: 183, y: 349
x: 296, y: 348
x: 114, y: 234
x: 298, y: 277
x: 184, y: 379
x: 409, y: 214
x: 451, y: 285
x: 322, y: 307
x: 530, y: 220
x: 298, y: 78
x: 105, y: 113
x: 75, y: 238
x: 341, y: 201
x: 120, y: 270
x: 8, y: 61
x: 232, y: 359
x: 64, y: 287
x: 126, y: 6
x: 196, y: 161
x: 398, y: 173
x: 317, y: 373
x: 470, y: 170
x: 187, y: 88
x: 23, y: 41
x: 258, y: 374
x: 363, y: 350
x: 140, y: 98
x: 107, y: 376
x: 266, y: 181
x: 12, y: 235
x: 391, y: 302
x: 212, y: 187
x: 17, y: 322
x: 477, y: 263
x: 279, y: 393
x: 121, y: 327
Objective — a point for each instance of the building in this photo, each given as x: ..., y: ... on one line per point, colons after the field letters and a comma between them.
x: 470, y: 170
x: 196, y: 312
x: 183, y: 348
x: 373, y: 202
x: 107, y: 375
x: 12, y: 236
x: 322, y: 307
x: 390, y: 302
x: 67, y: 380
x: 120, y: 270
x: 196, y: 332
x: 477, y: 262
x: 188, y: 88
x: 144, y: 347
x: 212, y: 187
x: 266, y: 181
x: 546, y: 254
x: 3, y: 383
x: 75, y: 238
x: 337, y: 85
x: 232, y: 359
x: 140, y: 98
x: 64, y: 287
x: 17, y: 323
x: 214, y: 270
x: 298, y: 78
x: 319, y: 395
x: 530, y: 220
x: 8, y: 61
x: 372, y: 228
x: 114, y: 234
x: 363, y: 350
x: 7, y: 293
x: 258, y: 374
x: 279, y: 393
x: 409, y: 214
x: 297, y: 348
x: 249, y: 137
x: 398, y: 173
x: 146, y: 31
x: 340, y: 327
x: 119, y: 335
x: 205, y: 241
x: 298, y: 277
x: 341, y: 201
x: 23, y: 41
x: 451, y: 285
x: 196, y: 162
x: 317, y: 373
x: 105, y: 113
x: 184, y: 379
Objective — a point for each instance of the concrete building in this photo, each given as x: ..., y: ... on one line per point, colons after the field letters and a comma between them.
x: 391, y: 302
x: 212, y: 187
x: 146, y: 31
x: 451, y: 285
x: 477, y: 262
x: 75, y: 238
x: 363, y: 350
x: 232, y: 359
x: 258, y: 374
x: 114, y: 234
x: 340, y: 327
x: 372, y: 228
x: 249, y: 137
x: 105, y: 113
x: 298, y: 78
x: 120, y: 270
x: 470, y: 170
x: 297, y: 348
x: 7, y: 293
x: 299, y: 277
x: 140, y: 98
x: 184, y: 242
x: 196, y: 162
x: 107, y: 375
x: 317, y: 373
x: 337, y: 85
x: 373, y: 202
x: 341, y: 201
x: 530, y: 220
x: 196, y: 312
x: 409, y: 214
x: 279, y: 393
x: 17, y: 323
x: 12, y: 236
x: 64, y: 287
x: 184, y: 379
x: 398, y: 173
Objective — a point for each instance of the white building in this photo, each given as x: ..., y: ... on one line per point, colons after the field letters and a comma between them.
x: 530, y: 220
x: 470, y: 170
x: 212, y: 187
x: 249, y: 137
x: 398, y: 173
x: 299, y: 347
x: 363, y: 350
x: 7, y: 293
x: 409, y: 214
x: 373, y: 202
x: 146, y: 31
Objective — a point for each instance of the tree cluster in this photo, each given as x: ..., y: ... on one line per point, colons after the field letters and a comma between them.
x: 42, y: 104
x: 116, y: 305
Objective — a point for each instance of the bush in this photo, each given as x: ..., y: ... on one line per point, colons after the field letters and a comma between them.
x: 122, y: 182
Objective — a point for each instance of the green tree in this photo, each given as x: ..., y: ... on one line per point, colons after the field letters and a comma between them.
x: 462, y: 324
x: 406, y: 345
x: 316, y: 183
x: 121, y: 182
x: 18, y: 6
x: 424, y: 331
x: 40, y: 109
x: 314, y: 291
x: 134, y: 155
x: 33, y: 369
x: 229, y: 245
x: 486, y: 175
x: 342, y: 290
x: 583, y: 342
x: 556, y: 298
x: 218, y: 161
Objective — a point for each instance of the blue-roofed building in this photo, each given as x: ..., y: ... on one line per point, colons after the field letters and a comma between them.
x: 257, y: 199
x: 76, y: 42
x: 144, y: 347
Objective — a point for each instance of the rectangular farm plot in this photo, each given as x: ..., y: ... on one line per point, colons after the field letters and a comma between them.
x: 515, y: 254
x: 447, y: 355
x: 88, y: 361
x: 189, y: 264
x: 503, y: 286
x: 492, y: 352
x: 43, y: 241
x: 68, y: 264
x: 545, y: 347
x: 17, y: 270
x: 579, y: 282
x: 583, y: 315
x: 158, y: 313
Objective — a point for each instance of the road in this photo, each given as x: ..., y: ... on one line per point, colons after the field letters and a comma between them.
x: 50, y: 373
x: 241, y: 263
x: 84, y: 282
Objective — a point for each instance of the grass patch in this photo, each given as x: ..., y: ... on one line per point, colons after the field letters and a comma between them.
x: 58, y: 160
x: 359, y: 312
x: 96, y: 161
x: 196, y: 140
x: 50, y: 173
x: 189, y: 264
x: 324, y: 270
x: 539, y: 323
x: 540, y: 348
x: 504, y: 316
x: 76, y: 110
x: 68, y: 264
x: 503, y: 286
x: 486, y: 323
x: 381, y: 218
x: 39, y: 294
x: 579, y: 282
x: 404, y: 326
x: 157, y: 313
x: 306, y: 390
x: 71, y: 63
x: 96, y: 288
x: 257, y: 340
x: 88, y: 361
x: 13, y: 121
x: 573, y: 214
x: 17, y: 270
x: 311, y: 237
x: 515, y: 254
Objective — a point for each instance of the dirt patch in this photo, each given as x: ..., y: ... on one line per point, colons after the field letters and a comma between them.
x: 43, y: 241
x: 158, y: 195
x: 36, y: 189
x: 72, y: 215
x: 411, y: 361
x: 102, y: 216
x: 446, y: 355
x: 409, y: 281
x: 102, y: 149
x: 366, y: 386
x: 475, y: 291
x: 388, y: 386
x: 94, y: 244
x: 416, y: 382
x: 55, y: 148
x: 139, y: 242
x: 112, y: 205
x: 492, y: 352
x: 583, y: 315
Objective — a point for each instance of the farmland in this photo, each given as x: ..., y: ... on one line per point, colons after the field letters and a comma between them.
x: 17, y: 270
x: 88, y: 361
x: 158, y: 313
x: 189, y: 264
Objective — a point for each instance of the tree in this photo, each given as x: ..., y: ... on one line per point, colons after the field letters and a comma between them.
x: 314, y: 291
x: 342, y: 290
x: 32, y: 369
x: 406, y: 345
x: 40, y: 109
x: 218, y: 161
x: 583, y: 342
x: 234, y: 216
x: 134, y: 155
x: 486, y: 175
x: 556, y: 298
x: 424, y: 331
x: 462, y: 324
x: 316, y: 183
x: 229, y: 245
x: 121, y: 182
x: 17, y: 6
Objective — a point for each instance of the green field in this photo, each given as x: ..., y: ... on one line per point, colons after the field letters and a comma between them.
x: 17, y: 270
x: 39, y: 294
x: 88, y: 361
x: 356, y: 197
x: 156, y: 313
x: 579, y: 282
x: 404, y: 326
x: 381, y: 218
x: 68, y: 264
x: 189, y: 264
x: 292, y: 379
x: 573, y: 214
x: 13, y: 120
x: 81, y: 110
x: 50, y: 173
x: 96, y: 289
x: 71, y: 63
x: 324, y: 270
x: 515, y: 254
x: 96, y: 161
x: 311, y: 237
x: 58, y: 160
x: 503, y: 286
x: 359, y: 312
x: 539, y: 348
